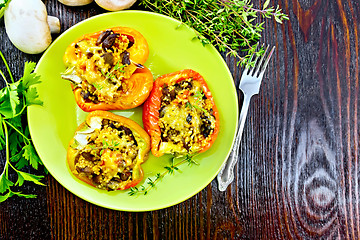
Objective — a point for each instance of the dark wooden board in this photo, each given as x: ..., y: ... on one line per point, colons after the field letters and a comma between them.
x: 298, y: 173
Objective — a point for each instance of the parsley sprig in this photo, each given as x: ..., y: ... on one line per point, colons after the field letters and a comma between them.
x: 15, y: 97
x: 170, y: 169
x: 230, y: 25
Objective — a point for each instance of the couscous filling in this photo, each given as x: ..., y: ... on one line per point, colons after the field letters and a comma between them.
x: 186, y: 118
x: 109, y: 156
x: 102, y: 65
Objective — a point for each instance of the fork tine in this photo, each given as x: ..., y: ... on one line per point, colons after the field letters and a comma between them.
x: 258, y: 66
x: 247, y: 67
x: 252, y: 55
x: 267, y: 61
x: 245, y: 72
x: 256, y: 59
x: 253, y: 69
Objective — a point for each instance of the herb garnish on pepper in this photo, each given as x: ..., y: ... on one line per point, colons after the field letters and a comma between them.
x: 106, y: 69
x: 180, y: 114
x: 107, y: 151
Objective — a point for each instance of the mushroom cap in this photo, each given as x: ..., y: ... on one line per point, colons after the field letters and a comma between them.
x: 26, y: 25
x: 75, y: 2
x: 115, y: 5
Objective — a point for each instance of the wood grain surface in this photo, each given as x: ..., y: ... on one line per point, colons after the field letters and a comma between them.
x: 298, y: 173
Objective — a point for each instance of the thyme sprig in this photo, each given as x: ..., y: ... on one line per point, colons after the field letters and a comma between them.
x: 111, y: 74
x: 170, y: 169
x: 198, y: 95
x: 233, y: 26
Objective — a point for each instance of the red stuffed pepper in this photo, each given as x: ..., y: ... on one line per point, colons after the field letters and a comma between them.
x: 180, y: 114
x: 106, y: 69
x: 107, y: 151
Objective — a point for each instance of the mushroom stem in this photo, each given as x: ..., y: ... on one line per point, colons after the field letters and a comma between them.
x: 54, y: 24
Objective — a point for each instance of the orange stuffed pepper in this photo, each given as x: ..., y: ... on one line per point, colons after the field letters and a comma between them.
x: 106, y: 69
x: 180, y: 114
x: 107, y: 151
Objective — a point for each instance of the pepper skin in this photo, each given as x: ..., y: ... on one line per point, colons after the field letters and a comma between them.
x: 153, y: 103
x: 140, y: 85
x: 142, y: 141
x: 133, y: 89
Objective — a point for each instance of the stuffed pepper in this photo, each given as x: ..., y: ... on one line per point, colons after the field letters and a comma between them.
x: 106, y: 69
x: 180, y: 114
x: 107, y: 151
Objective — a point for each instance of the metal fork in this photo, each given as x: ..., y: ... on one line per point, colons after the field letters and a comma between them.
x: 249, y: 84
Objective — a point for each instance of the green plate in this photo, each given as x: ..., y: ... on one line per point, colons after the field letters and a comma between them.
x: 172, y: 47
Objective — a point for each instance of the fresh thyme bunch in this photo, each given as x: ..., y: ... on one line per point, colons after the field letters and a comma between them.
x: 230, y: 25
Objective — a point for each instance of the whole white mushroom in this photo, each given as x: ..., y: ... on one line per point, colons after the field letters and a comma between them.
x: 28, y: 26
x: 75, y: 2
x: 115, y: 5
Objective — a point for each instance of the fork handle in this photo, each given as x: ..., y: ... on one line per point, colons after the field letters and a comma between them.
x: 226, y: 174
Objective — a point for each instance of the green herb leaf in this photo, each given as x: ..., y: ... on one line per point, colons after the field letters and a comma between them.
x: 266, y: 4
x: 2, y: 136
x: 30, y: 155
x: 228, y: 25
x: 5, y: 183
x: 20, y: 181
x: 32, y: 97
x: 30, y: 177
x: 3, y: 5
x: 151, y: 183
x: 188, y: 105
x: 29, y: 78
x: 20, y: 194
x: 19, y: 160
x: 6, y: 196
x: 7, y: 108
x: 14, y: 96
x: 14, y: 133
